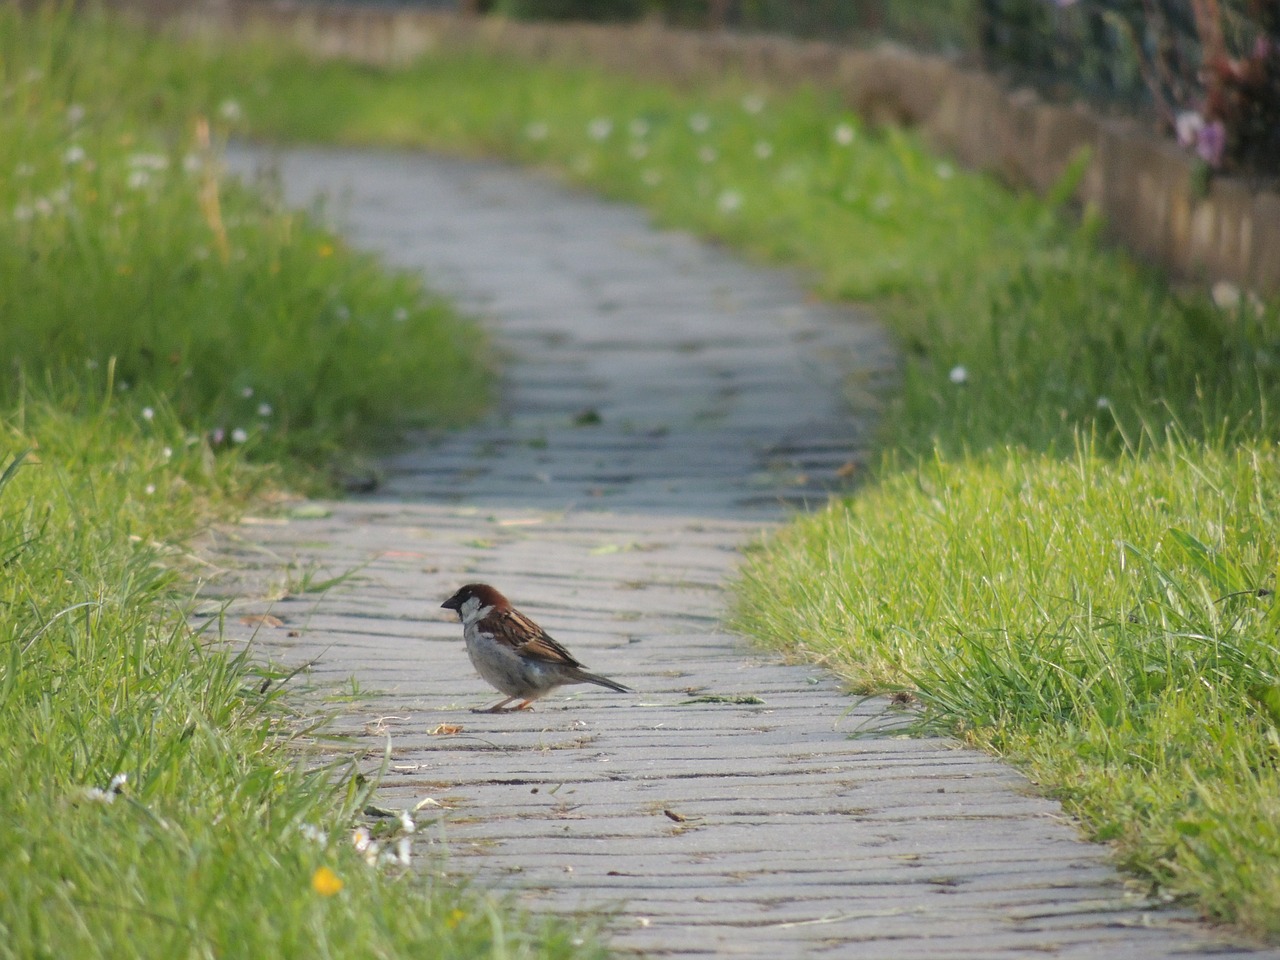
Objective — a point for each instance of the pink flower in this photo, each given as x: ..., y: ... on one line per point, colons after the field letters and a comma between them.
x: 1211, y: 143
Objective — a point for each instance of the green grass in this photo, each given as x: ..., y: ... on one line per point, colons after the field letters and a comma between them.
x: 1055, y: 334
x: 212, y: 843
x: 234, y: 312
x: 1064, y: 548
x: 1096, y: 619
x: 172, y: 346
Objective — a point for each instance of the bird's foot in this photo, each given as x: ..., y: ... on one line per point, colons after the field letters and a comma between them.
x: 502, y: 707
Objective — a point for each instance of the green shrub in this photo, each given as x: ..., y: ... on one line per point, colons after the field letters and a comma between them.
x: 570, y: 9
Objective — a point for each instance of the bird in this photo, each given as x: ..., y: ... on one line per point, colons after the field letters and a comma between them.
x: 513, y: 653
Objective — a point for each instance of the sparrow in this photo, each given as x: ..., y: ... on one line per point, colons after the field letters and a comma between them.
x: 512, y: 652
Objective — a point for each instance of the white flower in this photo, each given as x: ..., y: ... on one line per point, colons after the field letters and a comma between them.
x: 148, y: 413
x: 537, y: 131
x: 148, y: 161
x: 1188, y: 125
x: 149, y: 489
x: 404, y: 849
x: 793, y: 173
x: 407, y: 823
x: 699, y: 123
x: 137, y: 179
x: 310, y: 831
x: 168, y: 453
x: 364, y: 843
x: 1225, y: 295
x: 1103, y: 403
x: 75, y: 154
x: 600, y: 128
x: 399, y: 314
x: 639, y: 127
x: 75, y: 114
x: 238, y: 435
x: 246, y: 392
x: 730, y: 201
x: 24, y: 212
x: 843, y: 134
x: 763, y: 149
x: 24, y: 170
x: 753, y: 103
x: 651, y: 178
x: 230, y: 111
x: 98, y: 795
x: 264, y: 410
x: 638, y: 151
x: 1229, y: 297
x: 945, y: 171
x: 707, y: 154
x: 958, y: 374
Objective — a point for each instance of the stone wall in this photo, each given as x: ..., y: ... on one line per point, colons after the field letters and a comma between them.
x: 1144, y: 185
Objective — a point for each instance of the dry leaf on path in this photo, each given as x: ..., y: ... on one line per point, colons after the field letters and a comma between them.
x: 261, y: 620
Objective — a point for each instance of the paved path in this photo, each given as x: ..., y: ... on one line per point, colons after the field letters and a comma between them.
x: 725, y: 808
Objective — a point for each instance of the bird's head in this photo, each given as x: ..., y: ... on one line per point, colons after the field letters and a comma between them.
x: 475, y: 600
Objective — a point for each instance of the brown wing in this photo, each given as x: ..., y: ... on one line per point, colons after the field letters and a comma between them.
x: 520, y: 633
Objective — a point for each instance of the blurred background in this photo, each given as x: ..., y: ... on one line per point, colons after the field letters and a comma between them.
x: 1207, y: 70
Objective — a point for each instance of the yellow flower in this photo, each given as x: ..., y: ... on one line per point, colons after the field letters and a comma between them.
x: 326, y: 250
x: 455, y: 917
x: 325, y: 882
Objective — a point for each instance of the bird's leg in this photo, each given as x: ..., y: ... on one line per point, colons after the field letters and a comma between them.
x: 499, y: 707
x: 523, y: 705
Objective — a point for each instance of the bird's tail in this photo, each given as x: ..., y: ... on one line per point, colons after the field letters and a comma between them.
x: 595, y: 678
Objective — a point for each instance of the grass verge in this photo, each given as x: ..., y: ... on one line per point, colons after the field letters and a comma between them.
x: 1102, y: 621
x: 173, y: 346
x: 1069, y: 553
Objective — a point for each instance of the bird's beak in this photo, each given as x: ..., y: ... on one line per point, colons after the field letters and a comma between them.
x: 453, y: 603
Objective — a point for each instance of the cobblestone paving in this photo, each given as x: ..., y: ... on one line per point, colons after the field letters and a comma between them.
x: 664, y: 403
